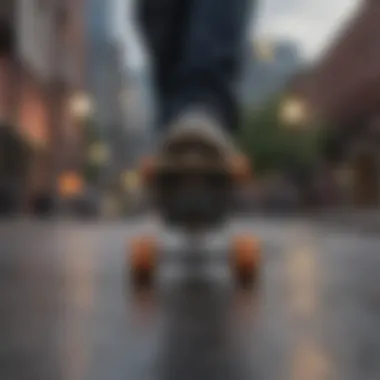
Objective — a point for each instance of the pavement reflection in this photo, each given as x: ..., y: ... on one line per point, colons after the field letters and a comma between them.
x: 308, y: 358
x: 79, y: 296
x: 200, y: 329
x: 68, y: 313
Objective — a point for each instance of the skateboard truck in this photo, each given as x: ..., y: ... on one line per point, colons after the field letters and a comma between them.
x: 195, y: 198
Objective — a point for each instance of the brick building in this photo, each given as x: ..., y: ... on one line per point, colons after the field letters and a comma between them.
x: 345, y: 84
x: 41, y: 69
x: 72, y: 79
x: 343, y: 88
x: 12, y: 173
x: 7, y: 64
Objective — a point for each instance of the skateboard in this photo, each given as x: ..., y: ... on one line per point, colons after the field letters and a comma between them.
x: 194, y: 195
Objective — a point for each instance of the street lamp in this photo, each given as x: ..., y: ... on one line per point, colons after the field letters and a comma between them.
x: 294, y: 112
x: 80, y: 106
x: 130, y: 180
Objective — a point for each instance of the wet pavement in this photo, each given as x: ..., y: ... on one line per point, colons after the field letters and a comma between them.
x: 68, y: 312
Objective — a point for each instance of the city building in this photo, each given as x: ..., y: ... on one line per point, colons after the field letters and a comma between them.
x: 268, y: 67
x: 25, y: 71
x: 139, y: 113
x: 105, y: 79
x: 344, y: 83
x: 343, y: 89
x: 11, y: 172
x: 7, y: 59
x: 71, y: 68
x: 49, y: 54
x: 104, y: 65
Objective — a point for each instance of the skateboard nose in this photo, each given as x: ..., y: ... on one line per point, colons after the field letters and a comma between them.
x: 240, y: 168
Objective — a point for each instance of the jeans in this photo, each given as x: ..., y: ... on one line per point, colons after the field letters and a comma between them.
x: 196, y: 49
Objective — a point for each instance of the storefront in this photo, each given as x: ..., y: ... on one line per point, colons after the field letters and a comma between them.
x: 364, y: 160
x: 13, y: 149
x: 33, y: 126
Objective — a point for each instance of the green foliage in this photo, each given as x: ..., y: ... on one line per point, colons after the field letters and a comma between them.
x: 91, y: 132
x: 91, y: 171
x: 274, y: 146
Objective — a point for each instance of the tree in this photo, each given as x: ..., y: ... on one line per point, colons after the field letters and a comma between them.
x: 273, y: 146
x: 92, y: 137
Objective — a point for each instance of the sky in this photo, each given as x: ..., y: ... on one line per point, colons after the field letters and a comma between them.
x: 312, y: 24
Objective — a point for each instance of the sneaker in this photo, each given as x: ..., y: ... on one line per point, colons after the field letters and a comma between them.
x: 196, y: 138
x: 196, y: 144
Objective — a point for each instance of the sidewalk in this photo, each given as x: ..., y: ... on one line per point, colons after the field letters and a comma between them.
x: 363, y: 220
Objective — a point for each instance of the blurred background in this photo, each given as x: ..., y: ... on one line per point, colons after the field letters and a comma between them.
x: 77, y: 114
x: 76, y: 107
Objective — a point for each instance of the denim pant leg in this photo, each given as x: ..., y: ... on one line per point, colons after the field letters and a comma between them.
x: 196, y: 48
x: 163, y: 25
x: 208, y: 72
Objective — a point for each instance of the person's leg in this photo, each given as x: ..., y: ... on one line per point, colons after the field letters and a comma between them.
x: 196, y: 49
x: 211, y: 55
x: 163, y: 25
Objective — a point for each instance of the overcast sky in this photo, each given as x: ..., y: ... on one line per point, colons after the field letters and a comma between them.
x: 311, y: 23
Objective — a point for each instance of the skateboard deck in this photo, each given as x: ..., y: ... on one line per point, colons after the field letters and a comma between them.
x: 195, y: 194
x: 195, y: 191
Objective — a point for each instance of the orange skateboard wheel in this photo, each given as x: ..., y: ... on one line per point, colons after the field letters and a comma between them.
x: 143, y: 259
x: 246, y: 257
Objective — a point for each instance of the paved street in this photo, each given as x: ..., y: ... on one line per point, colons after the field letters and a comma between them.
x: 67, y: 311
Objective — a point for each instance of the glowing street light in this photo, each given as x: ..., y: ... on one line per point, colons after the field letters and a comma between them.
x: 80, y: 106
x: 130, y: 180
x: 294, y: 112
x: 70, y: 184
